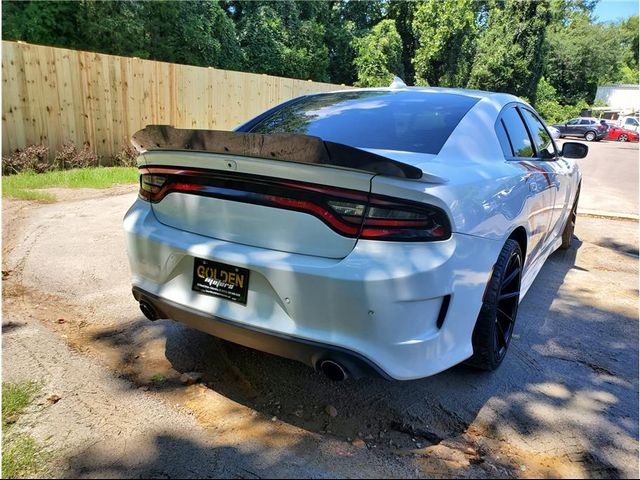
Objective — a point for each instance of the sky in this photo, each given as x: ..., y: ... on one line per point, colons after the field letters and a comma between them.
x: 612, y: 10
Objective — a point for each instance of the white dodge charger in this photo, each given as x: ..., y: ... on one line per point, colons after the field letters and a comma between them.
x: 374, y: 231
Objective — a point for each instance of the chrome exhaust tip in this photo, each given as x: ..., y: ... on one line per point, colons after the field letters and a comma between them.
x: 333, y: 371
x: 148, y: 311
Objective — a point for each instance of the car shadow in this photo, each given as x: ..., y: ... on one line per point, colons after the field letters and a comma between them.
x: 548, y: 376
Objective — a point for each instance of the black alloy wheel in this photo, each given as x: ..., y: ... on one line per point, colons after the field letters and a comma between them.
x: 570, y: 226
x: 494, y: 327
x: 507, y: 309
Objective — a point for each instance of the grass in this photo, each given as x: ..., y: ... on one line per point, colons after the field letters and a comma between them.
x: 16, y: 397
x: 21, y: 455
x: 158, y: 379
x: 25, y: 185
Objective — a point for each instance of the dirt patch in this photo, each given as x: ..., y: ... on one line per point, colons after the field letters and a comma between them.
x: 548, y: 409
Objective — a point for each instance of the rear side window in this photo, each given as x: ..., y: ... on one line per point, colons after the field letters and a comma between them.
x: 413, y: 121
x: 585, y: 122
x: 518, y: 135
x: 541, y: 138
x: 503, y: 138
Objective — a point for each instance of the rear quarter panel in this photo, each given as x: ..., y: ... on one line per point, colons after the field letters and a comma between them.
x: 484, y: 194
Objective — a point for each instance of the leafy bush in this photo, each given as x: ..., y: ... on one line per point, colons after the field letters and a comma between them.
x: 32, y: 158
x: 550, y: 109
x: 552, y: 112
x: 35, y: 158
x: 70, y: 157
x: 127, y: 157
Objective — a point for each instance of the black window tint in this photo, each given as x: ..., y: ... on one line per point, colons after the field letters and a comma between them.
x: 584, y: 122
x: 504, y: 139
x: 573, y: 122
x: 541, y: 137
x: 406, y: 120
x: 517, y: 133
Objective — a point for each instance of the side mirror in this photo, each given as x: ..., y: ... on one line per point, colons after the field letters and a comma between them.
x: 574, y: 150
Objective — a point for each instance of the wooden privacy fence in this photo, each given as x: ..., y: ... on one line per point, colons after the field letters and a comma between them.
x: 52, y: 96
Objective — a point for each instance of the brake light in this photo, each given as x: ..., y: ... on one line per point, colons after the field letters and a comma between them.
x: 151, y: 185
x: 350, y: 213
x: 399, y: 220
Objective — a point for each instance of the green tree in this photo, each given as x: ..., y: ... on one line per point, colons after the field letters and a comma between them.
x: 379, y: 55
x: 510, y: 51
x: 280, y: 38
x: 340, y: 48
x: 114, y: 27
x: 403, y: 13
x: 364, y: 14
x: 446, y: 34
x: 47, y: 23
x: 346, y: 21
x: 550, y: 109
x: 191, y: 32
x: 262, y: 39
x: 629, y: 39
x: 582, y: 55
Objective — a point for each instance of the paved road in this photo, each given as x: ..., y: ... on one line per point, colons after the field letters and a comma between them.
x: 563, y: 404
x: 610, y: 177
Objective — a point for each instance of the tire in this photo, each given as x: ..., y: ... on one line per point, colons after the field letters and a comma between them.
x: 494, y: 327
x: 570, y: 226
x: 590, y: 136
x: 623, y: 138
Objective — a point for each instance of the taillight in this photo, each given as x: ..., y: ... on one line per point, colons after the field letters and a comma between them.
x: 400, y: 220
x: 151, y: 185
x: 350, y: 213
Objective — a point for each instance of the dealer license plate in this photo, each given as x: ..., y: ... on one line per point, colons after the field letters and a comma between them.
x: 221, y: 280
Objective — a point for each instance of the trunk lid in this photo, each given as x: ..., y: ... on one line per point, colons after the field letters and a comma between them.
x: 231, y: 198
x: 287, y: 192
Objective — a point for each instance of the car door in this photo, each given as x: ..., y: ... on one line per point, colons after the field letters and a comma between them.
x: 572, y: 127
x: 559, y: 170
x: 583, y: 127
x: 539, y: 188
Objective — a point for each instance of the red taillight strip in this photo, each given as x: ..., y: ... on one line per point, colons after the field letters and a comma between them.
x: 170, y: 187
x: 346, y: 194
x: 337, y: 223
x: 373, y: 222
x: 317, y: 200
x: 318, y: 211
x: 338, y: 192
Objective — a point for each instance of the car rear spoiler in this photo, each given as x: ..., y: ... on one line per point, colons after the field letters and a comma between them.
x: 287, y: 147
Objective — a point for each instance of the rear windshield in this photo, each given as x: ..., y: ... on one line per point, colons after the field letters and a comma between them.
x: 410, y: 121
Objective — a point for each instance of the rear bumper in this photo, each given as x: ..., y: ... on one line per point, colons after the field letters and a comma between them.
x: 305, y: 351
x: 381, y: 305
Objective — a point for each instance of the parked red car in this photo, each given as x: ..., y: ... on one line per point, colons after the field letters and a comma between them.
x: 621, y: 135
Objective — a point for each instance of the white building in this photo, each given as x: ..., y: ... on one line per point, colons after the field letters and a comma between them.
x: 620, y: 97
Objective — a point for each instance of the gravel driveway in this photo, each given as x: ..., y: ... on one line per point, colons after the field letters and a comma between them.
x: 564, y: 403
